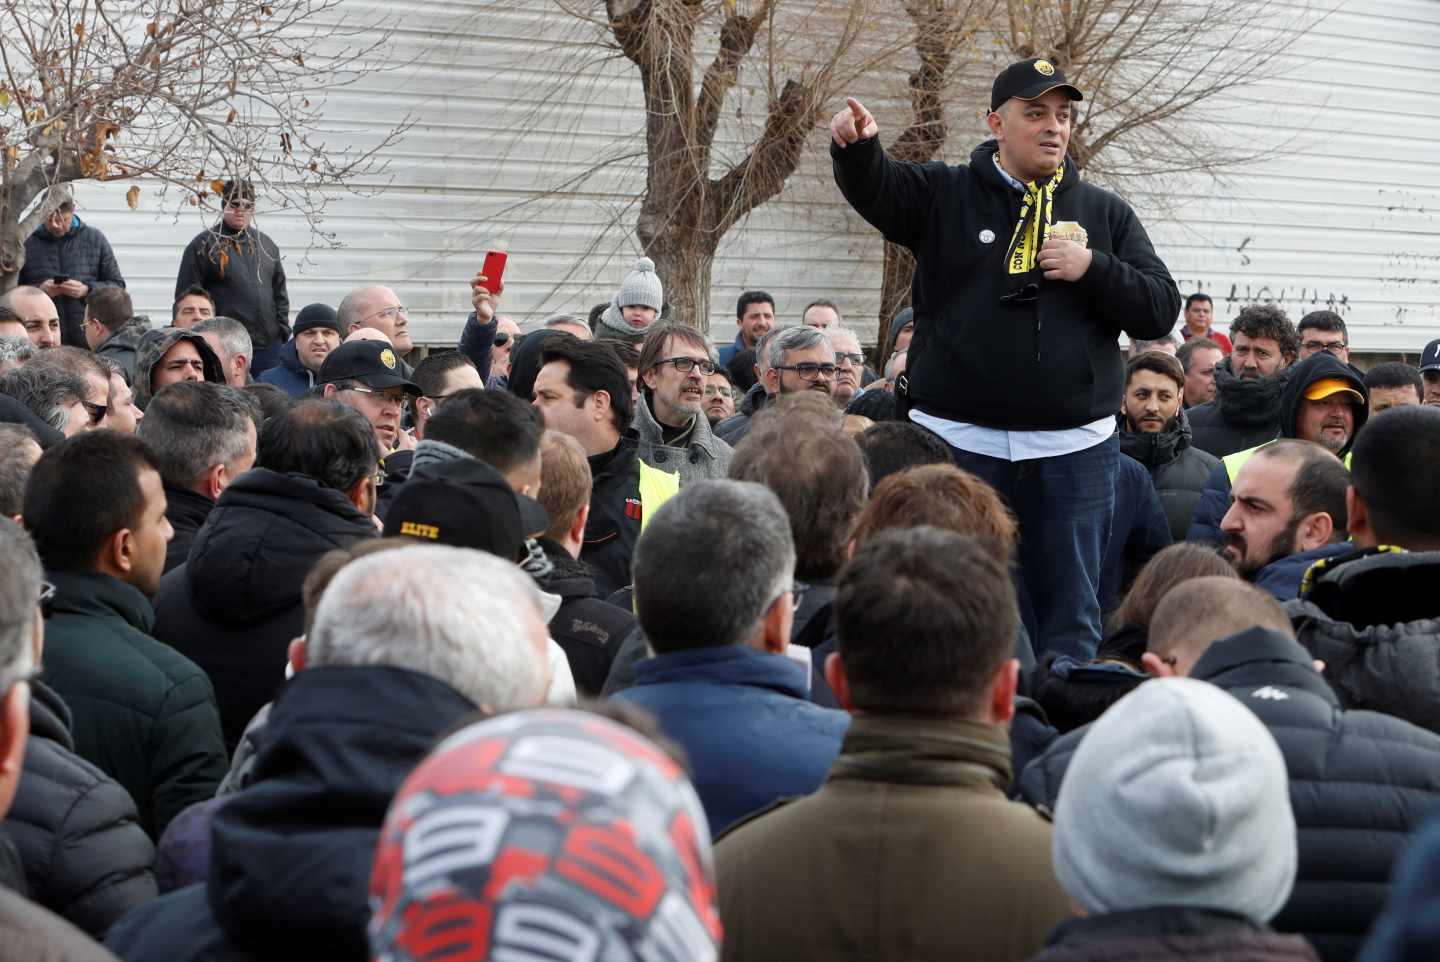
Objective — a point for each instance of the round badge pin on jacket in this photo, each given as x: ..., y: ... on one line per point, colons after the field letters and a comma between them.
x: 987, y: 236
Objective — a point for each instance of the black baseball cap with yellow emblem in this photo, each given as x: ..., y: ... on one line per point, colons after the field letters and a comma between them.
x: 1029, y: 79
x: 372, y: 363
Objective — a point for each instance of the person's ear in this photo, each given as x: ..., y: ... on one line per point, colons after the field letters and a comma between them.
x: 329, y: 391
x: 772, y: 381
x: 835, y: 678
x: 1152, y: 663
x: 1315, y: 530
x: 1358, y: 519
x: 1002, y: 691
x: 297, y: 654
x: 995, y: 122
x: 363, y: 495
x: 649, y: 378
x: 117, y: 557
x: 776, y: 624
x: 213, y: 482
x: 577, y: 527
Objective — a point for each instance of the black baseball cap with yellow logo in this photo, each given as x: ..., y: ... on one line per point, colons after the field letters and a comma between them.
x: 1029, y: 79
x: 372, y: 363
x: 465, y: 503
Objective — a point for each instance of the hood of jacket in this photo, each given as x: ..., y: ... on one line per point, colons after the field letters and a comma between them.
x: 754, y: 400
x: 154, y: 344
x: 128, y: 338
x: 1160, y: 448
x: 50, y: 716
x: 568, y: 577
x: 1248, y: 402
x: 260, y: 541
x: 1376, y: 586
x: 1319, y: 367
x: 925, y: 750
x: 291, y: 854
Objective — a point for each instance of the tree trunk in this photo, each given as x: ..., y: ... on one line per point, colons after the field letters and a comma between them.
x: 684, y: 264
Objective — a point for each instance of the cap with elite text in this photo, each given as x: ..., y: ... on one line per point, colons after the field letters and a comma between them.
x: 465, y: 503
x: 372, y: 363
x: 1430, y: 357
x: 1029, y: 79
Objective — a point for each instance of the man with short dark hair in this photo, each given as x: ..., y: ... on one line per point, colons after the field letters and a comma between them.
x: 1199, y: 356
x: 822, y: 313
x: 1324, y: 401
x: 110, y: 328
x: 203, y: 437
x: 438, y: 377
x: 316, y: 334
x: 68, y: 259
x: 231, y: 342
x: 1371, y: 615
x: 720, y: 684
x: 893, y: 446
x: 1199, y: 313
x: 235, y: 604
x: 1155, y: 431
x: 34, y: 307
x: 927, y: 624
x: 170, y: 355
x: 669, y: 420
x: 1323, y: 331
x: 1394, y: 384
x: 192, y: 305
x: 121, y: 414
x: 755, y: 317
x: 581, y: 390
x: 143, y: 712
x: 1287, y: 511
x: 366, y: 376
x: 1248, y: 384
x: 241, y: 269
x: 1361, y: 783
x: 719, y: 396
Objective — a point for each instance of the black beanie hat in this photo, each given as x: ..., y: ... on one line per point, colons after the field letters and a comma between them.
x: 316, y: 315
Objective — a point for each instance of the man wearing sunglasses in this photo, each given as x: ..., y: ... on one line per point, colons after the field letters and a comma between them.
x: 240, y: 268
x: 675, y: 435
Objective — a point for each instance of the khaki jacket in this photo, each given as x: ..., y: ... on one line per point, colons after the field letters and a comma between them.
x: 909, y: 852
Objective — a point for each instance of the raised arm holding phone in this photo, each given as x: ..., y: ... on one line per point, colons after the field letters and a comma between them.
x: 1025, y: 278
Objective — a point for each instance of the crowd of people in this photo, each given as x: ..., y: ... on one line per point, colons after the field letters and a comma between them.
x: 591, y: 639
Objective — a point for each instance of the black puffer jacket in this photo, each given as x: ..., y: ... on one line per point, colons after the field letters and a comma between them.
x: 590, y: 631
x: 86, y: 857
x: 82, y: 253
x: 1244, y: 413
x: 291, y: 855
x: 615, y: 516
x: 1178, y: 469
x: 241, y: 270
x: 186, y: 511
x: 1374, y: 619
x: 1171, y: 935
x: 234, y: 607
x: 1361, y: 784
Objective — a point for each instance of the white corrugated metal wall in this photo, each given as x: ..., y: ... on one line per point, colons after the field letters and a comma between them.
x: 1344, y: 218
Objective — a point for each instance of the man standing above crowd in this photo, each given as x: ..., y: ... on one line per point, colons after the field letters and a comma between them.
x: 241, y: 270
x: 1199, y: 355
x: 755, y: 316
x: 670, y: 418
x: 68, y: 259
x: 1155, y: 431
x: 1015, y: 360
x: 1199, y: 312
x: 1248, y: 384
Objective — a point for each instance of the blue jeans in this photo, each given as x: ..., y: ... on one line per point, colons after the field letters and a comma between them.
x: 1065, y: 506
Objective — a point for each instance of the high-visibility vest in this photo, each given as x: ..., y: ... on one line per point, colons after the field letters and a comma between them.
x: 656, y: 487
x: 1234, y: 462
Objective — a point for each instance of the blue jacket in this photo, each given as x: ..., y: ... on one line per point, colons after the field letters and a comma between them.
x: 1407, y: 932
x: 742, y: 717
x: 1282, y: 578
x: 288, y: 374
x: 1138, y: 531
x: 730, y: 350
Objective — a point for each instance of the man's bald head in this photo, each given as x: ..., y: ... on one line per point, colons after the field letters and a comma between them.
x: 376, y: 306
x: 1194, y: 615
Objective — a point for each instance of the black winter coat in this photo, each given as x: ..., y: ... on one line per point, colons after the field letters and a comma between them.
x: 241, y: 270
x: 83, y: 254
x: 235, y: 605
x: 86, y: 857
x: 1361, y: 784
x: 1244, y: 413
x: 291, y: 855
x: 1374, y: 619
x: 142, y: 712
x: 614, y: 525
x: 590, y: 631
x: 1138, y: 531
x: 1047, y: 361
x: 186, y: 511
x: 1178, y: 469
x: 1171, y: 935
x: 733, y: 429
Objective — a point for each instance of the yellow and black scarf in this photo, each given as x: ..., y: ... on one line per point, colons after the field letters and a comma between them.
x: 1037, y: 212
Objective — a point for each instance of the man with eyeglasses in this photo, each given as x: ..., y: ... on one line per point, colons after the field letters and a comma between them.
x: 68, y: 259
x: 1324, y: 331
x: 37, y: 312
x: 240, y: 268
x: 796, y: 359
x: 378, y: 307
x: 849, y: 364
x: 365, y: 375
x: 670, y: 416
x: 719, y: 396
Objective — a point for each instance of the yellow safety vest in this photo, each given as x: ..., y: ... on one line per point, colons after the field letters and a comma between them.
x: 656, y: 487
x: 1234, y: 462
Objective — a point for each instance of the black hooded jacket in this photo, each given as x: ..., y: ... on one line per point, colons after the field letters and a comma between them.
x: 588, y: 629
x: 1244, y: 413
x: 235, y: 605
x: 291, y: 854
x: 86, y: 857
x: 1178, y: 469
x: 1215, y: 498
x: 186, y: 511
x: 242, y: 271
x: 1047, y: 362
x: 1360, y: 783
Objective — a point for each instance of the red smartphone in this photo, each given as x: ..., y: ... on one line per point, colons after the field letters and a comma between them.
x: 494, y: 270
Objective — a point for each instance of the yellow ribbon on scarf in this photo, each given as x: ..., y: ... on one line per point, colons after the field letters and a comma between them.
x: 1038, y: 208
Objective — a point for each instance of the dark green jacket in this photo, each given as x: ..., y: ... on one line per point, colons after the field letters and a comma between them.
x: 144, y: 713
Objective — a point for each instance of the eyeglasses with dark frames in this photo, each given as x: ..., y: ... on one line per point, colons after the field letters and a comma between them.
x: 810, y: 371
x: 97, y: 412
x: 687, y: 364
x: 856, y: 359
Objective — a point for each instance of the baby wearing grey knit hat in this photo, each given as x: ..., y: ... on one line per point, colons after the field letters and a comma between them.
x: 635, y: 306
x: 1174, y: 822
